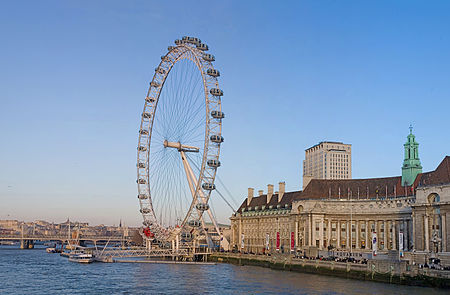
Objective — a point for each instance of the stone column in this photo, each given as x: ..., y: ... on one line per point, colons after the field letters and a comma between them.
x: 329, y: 232
x: 313, y: 233
x: 394, y: 244
x: 377, y: 230
x: 410, y: 233
x: 311, y: 227
x: 338, y: 229
x: 304, y: 233
x: 427, y: 234
x: 357, y: 234
x: 240, y: 234
x: 366, y: 236
x: 385, y: 234
x: 321, y: 233
x: 347, y: 231
x: 405, y: 235
x: 444, y: 232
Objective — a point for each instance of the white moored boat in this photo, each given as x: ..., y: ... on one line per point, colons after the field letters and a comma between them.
x: 51, y: 250
x: 82, y: 258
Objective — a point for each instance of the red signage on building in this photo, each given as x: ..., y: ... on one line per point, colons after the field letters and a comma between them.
x: 278, y: 241
x: 292, y: 240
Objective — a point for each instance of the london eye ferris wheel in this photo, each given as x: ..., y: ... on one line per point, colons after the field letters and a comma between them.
x: 179, y: 143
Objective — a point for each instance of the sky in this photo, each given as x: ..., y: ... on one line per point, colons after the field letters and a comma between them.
x: 74, y: 75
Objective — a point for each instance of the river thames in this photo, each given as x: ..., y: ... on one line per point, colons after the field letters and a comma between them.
x: 37, y: 272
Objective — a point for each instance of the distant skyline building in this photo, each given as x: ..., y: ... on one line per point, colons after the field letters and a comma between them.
x: 327, y: 160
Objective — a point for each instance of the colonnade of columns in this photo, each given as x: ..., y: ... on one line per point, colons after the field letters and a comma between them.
x: 342, y: 233
x: 434, y: 233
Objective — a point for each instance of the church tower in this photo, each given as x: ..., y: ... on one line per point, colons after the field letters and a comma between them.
x: 411, y: 164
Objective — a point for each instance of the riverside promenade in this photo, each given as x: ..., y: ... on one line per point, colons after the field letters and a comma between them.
x: 386, y: 271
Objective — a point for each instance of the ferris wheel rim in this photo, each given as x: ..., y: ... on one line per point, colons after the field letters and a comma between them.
x: 184, y: 51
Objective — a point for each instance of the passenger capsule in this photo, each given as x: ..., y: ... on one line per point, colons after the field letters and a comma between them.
x: 178, y: 42
x: 216, y: 92
x: 149, y: 99
x: 145, y: 210
x: 194, y: 223
x: 208, y: 57
x: 141, y: 181
x: 141, y: 165
x: 154, y: 84
x: 146, y: 115
x: 213, y: 163
x: 194, y: 40
x: 170, y: 48
x: 185, y: 38
x: 202, y: 206
x: 147, y: 223
x: 213, y: 72
x: 208, y: 186
x: 186, y: 236
x: 143, y: 132
x: 160, y: 71
x: 216, y: 138
x: 142, y: 196
x: 217, y: 114
x: 142, y: 148
x: 202, y: 46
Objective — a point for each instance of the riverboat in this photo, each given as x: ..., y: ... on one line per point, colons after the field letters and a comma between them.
x: 50, y: 250
x: 82, y: 258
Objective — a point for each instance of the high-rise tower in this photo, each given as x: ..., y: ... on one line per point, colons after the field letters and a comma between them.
x: 327, y: 160
x: 411, y: 164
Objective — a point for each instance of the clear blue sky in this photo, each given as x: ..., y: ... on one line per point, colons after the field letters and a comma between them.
x: 74, y: 74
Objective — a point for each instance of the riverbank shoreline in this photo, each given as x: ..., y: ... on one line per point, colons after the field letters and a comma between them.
x: 392, y: 272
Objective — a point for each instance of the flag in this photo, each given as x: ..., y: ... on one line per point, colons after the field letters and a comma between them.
x: 278, y: 241
x: 400, y: 244
x: 374, y: 244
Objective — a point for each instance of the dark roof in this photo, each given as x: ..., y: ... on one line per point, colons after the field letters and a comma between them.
x: 375, y: 187
x: 439, y: 176
x: 357, y: 188
x: 352, y: 188
x: 260, y: 201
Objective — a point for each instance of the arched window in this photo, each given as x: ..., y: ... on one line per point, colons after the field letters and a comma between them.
x: 434, y: 198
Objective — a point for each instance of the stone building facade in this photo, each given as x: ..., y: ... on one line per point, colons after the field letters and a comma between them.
x: 346, y: 214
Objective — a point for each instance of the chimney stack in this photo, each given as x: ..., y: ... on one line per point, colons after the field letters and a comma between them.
x: 250, y: 195
x: 281, y: 189
x: 269, y: 192
x: 260, y: 193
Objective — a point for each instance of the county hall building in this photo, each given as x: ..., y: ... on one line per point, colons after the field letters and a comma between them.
x: 410, y: 213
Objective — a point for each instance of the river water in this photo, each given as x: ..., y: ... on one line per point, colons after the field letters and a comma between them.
x: 37, y: 272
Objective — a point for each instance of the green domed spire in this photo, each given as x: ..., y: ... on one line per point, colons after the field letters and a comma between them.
x: 411, y: 164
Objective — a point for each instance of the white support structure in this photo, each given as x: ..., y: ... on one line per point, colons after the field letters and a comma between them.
x: 193, y: 184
